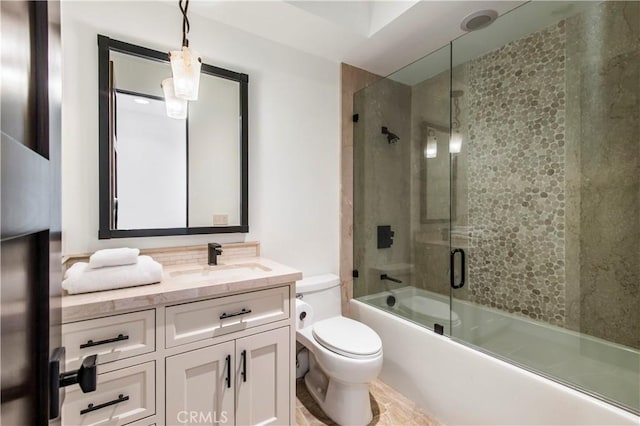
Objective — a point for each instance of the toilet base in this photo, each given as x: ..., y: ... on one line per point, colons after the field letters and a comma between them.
x: 345, y: 403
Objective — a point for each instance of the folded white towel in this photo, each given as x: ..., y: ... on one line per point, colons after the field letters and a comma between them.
x: 80, y: 278
x: 113, y: 257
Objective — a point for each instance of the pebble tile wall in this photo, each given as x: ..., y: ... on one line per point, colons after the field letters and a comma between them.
x: 516, y: 176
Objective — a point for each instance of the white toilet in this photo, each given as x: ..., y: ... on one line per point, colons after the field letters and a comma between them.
x: 344, y: 355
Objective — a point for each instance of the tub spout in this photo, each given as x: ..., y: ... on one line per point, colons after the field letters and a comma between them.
x: 387, y: 277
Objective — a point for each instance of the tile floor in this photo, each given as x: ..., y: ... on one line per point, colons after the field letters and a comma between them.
x: 390, y: 408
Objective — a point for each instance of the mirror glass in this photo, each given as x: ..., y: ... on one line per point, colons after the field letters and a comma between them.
x: 168, y: 176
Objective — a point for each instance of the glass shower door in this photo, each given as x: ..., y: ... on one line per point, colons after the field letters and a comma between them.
x: 544, y: 183
x: 496, y: 193
x: 401, y: 192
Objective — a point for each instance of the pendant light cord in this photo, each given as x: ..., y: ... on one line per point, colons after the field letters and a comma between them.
x: 185, y: 21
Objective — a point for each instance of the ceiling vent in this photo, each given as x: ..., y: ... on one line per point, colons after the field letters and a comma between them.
x: 478, y: 20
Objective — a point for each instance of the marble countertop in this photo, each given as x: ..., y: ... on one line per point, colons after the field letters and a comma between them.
x: 181, y: 283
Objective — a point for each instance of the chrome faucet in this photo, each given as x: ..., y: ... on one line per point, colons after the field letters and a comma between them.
x: 215, y: 250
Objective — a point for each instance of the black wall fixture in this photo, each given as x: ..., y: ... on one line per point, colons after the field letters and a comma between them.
x: 385, y: 236
x: 391, y: 137
x: 438, y: 328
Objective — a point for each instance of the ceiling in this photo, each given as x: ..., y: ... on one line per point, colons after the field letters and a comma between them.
x: 514, y: 25
x: 379, y: 36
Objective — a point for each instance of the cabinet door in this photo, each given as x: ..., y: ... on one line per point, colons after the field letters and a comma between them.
x: 197, y: 391
x: 263, y: 378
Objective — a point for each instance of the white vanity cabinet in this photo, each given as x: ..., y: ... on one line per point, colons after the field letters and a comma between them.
x: 200, y: 386
x: 122, y: 395
x: 111, y: 338
x: 261, y: 387
x: 223, y: 360
x: 239, y: 382
x: 208, y: 319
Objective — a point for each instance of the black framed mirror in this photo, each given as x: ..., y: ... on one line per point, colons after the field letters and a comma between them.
x: 162, y: 176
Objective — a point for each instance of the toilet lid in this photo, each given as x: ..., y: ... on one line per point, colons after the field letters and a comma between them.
x: 347, y: 337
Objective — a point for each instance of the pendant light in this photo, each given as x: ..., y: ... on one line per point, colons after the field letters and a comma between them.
x: 455, y: 142
x: 185, y: 69
x: 431, y: 148
x: 185, y: 63
x: 176, y: 107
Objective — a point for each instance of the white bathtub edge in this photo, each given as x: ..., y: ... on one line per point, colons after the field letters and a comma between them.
x: 461, y: 386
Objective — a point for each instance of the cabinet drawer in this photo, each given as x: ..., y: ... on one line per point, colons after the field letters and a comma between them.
x: 191, y: 322
x: 111, y: 338
x: 121, y: 397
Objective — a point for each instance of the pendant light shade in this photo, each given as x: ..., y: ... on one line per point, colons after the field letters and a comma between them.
x: 185, y: 70
x: 431, y: 149
x: 185, y: 67
x: 176, y: 107
x: 455, y: 143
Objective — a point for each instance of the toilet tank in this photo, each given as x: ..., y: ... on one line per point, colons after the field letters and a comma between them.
x: 323, y: 293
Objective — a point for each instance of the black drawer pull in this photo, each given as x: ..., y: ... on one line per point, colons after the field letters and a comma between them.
x: 91, y: 343
x: 228, y: 379
x: 91, y: 407
x: 243, y: 373
x: 235, y: 314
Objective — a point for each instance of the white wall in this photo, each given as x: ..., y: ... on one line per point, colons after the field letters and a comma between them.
x: 293, y: 131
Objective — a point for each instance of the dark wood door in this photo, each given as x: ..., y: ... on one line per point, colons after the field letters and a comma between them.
x: 30, y: 273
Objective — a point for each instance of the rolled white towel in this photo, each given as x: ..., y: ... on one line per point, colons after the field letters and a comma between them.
x: 114, y: 257
x: 80, y: 278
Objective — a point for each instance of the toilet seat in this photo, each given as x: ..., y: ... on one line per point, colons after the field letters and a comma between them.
x: 347, y: 337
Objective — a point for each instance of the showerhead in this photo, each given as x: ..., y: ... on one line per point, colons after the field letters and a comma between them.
x: 391, y: 137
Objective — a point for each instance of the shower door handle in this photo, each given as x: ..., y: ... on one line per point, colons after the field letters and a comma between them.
x: 463, y: 269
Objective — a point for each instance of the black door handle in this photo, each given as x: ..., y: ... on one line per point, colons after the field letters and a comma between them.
x: 463, y: 268
x: 243, y: 373
x: 228, y: 379
x: 86, y: 377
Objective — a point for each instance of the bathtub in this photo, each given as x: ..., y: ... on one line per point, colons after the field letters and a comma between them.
x: 461, y: 384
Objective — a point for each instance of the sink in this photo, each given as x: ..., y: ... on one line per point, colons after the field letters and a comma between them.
x: 223, y: 271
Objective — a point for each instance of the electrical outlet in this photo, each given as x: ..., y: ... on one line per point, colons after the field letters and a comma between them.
x: 220, y: 219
